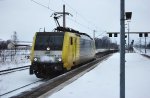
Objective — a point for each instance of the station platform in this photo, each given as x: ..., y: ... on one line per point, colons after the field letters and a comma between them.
x: 104, y: 80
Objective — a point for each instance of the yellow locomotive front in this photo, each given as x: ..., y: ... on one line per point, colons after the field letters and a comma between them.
x: 56, y: 52
x: 46, y: 54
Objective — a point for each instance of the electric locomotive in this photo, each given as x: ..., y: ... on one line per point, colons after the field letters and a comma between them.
x: 63, y: 49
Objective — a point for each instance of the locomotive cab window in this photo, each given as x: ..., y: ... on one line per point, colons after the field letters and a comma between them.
x: 55, y: 42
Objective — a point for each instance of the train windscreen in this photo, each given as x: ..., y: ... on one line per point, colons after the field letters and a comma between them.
x: 53, y: 42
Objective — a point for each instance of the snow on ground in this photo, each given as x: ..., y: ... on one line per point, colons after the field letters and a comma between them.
x: 137, y: 76
x: 103, y: 81
x: 142, y: 51
x: 15, y: 80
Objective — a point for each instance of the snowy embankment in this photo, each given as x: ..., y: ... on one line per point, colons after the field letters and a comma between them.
x: 11, y: 59
x: 103, y: 81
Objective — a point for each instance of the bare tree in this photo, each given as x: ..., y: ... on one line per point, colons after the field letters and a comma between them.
x: 105, y: 43
x: 15, y: 37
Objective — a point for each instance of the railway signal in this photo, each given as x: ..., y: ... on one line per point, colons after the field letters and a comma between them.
x: 145, y: 35
x: 110, y: 34
x: 128, y: 15
x: 115, y: 34
x: 140, y: 35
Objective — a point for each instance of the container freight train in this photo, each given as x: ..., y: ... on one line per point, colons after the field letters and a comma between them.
x: 58, y: 51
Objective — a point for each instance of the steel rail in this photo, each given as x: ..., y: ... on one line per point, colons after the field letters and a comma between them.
x: 147, y: 56
x: 20, y: 88
x: 2, y: 72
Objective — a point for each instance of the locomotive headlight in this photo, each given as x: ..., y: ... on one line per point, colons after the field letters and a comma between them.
x: 35, y: 59
x: 59, y: 59
x: 48, y: 48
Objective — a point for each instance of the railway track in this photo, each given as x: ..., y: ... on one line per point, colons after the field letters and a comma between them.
x: 20, y: 88
x: 59, y: 82
x: 147, y: 56
x: 52, y: 84
x: 2, y: 72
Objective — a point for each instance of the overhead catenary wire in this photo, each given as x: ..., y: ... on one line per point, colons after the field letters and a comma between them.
x: 87, y: 27
x: 84, y: 18
x: 77, y: 13
x: 43, y: 5
x: 55, y: 11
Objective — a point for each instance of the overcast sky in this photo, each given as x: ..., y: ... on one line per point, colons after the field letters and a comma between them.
x: 26, y: 17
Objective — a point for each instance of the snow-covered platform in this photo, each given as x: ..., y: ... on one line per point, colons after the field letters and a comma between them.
x: 103, y: 81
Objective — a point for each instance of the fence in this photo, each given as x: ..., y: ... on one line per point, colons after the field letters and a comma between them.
x: 13, y: 55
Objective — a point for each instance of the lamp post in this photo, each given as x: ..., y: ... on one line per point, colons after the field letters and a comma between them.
x: 128, y: 36
x: 122, y: 46
x: 140, y: 44
x: 128, y: 17
x: 145, y: 35
x: 122, y: 49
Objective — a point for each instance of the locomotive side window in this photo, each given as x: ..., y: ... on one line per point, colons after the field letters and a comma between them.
x: 71, y: 41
